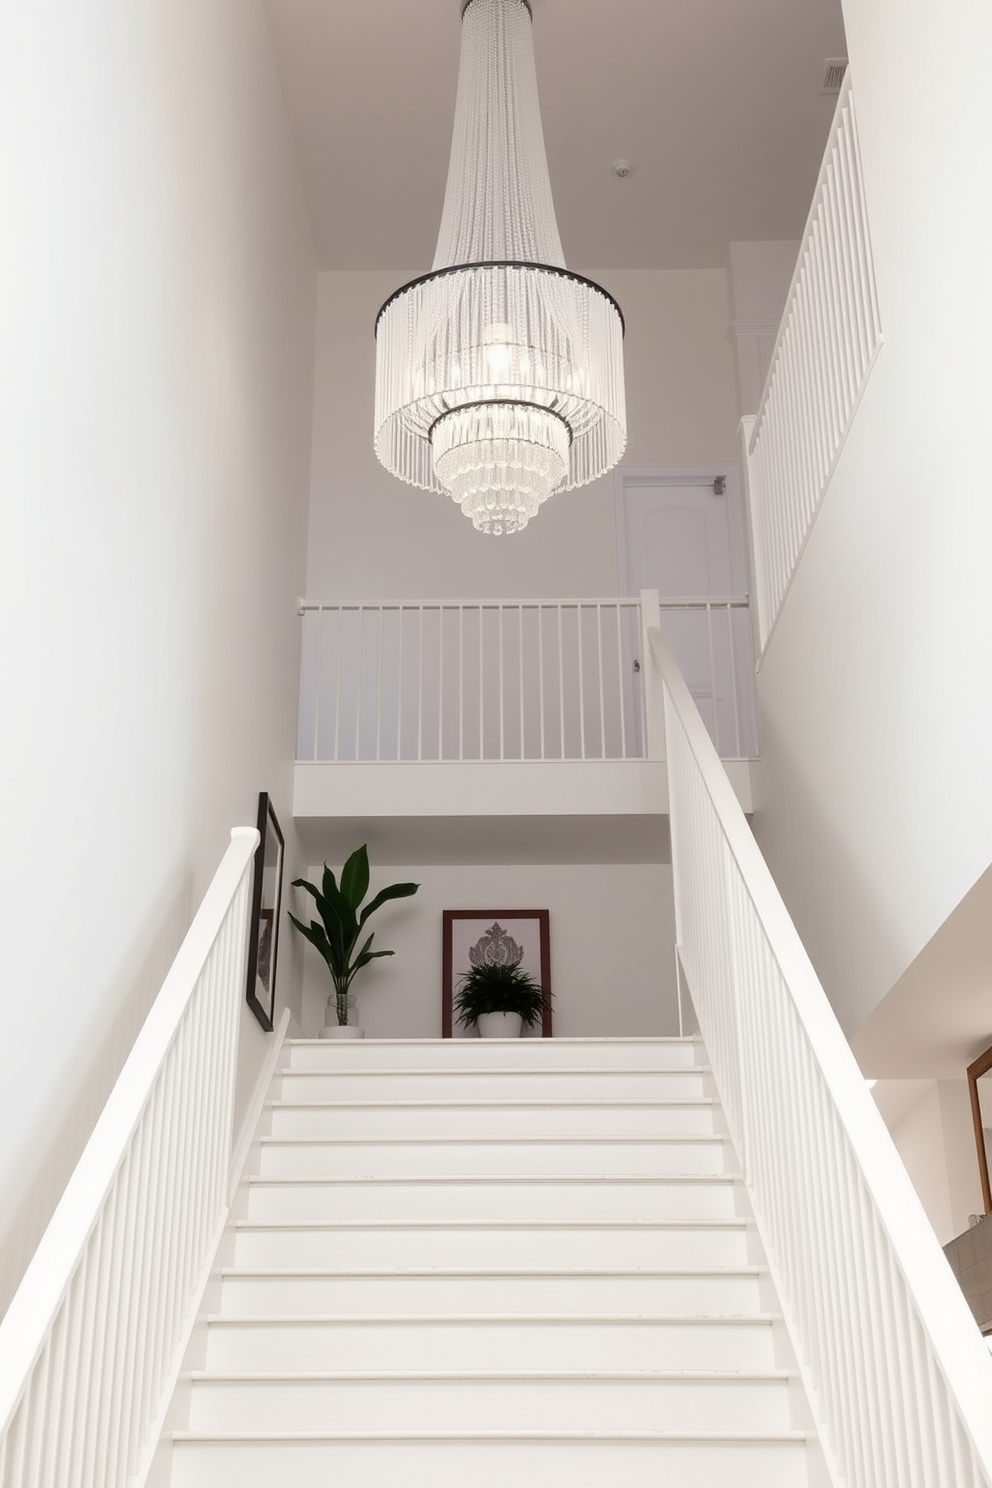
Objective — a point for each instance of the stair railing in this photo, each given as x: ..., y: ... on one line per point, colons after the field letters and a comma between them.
x: 91, y: 1344
x: 827, y: 344
x: 897, y: 1372
x: 513, y: 679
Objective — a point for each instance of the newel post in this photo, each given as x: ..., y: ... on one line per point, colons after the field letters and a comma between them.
x: 654, y: 698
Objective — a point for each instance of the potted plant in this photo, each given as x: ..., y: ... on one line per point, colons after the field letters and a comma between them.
x: 500, y: 999
x: 342, y: 920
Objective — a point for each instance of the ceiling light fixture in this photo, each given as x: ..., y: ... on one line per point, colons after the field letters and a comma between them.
x: 499, y: 375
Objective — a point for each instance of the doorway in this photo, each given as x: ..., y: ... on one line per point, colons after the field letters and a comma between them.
x: 681, y: 531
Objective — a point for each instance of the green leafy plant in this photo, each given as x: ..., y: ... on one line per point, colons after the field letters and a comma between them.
x: 342, y: 920
x: 494, y: 988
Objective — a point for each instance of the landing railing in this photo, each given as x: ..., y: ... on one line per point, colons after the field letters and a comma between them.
x: 515, y: 679
x: 898, y: 1373
x: 827, y: 344
x: 91, y: 1343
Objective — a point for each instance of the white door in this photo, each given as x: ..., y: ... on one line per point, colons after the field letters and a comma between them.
x: 682, y: 533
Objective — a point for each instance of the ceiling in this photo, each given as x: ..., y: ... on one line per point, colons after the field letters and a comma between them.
x: 938, y: 1016
x: 716, y: 103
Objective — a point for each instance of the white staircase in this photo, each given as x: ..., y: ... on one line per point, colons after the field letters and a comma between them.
x: 471, y: 1261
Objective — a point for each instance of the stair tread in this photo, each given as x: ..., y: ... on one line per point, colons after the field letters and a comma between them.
x: 730, y: 1221
x: 302, y: 1320
x: 796, y: 1436
x: 542, y: 1273
x: 420, y: 1180
x: 503, y: 1376
x: 681, y: 1039
x: 482, y: 1070
x: 674, y: 1138
x: 496, y: 1103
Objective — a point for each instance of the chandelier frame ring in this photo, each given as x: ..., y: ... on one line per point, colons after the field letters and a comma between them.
x: 525, y: 3
x: 500, y: 263
x: 501, y: 403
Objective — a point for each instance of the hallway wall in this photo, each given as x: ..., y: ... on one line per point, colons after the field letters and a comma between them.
x: 611, y: 934
x: 874, y: 806
x: 156, y: 332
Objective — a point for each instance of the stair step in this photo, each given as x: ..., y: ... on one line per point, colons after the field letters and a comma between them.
x: 497, y: 1082
x: 475, y: 1053
x: 530, y: 1459
x: 467, y: 1197
x: 619, y: 1401
x: 491, y: 1341
x: 345, y: 1157
x: 432, y: 1116
x: 466, y: 1260
x: 717, y: 1242
x: 583, y: 1290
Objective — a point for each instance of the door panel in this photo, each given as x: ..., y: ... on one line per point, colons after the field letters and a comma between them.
x: 684, y: 537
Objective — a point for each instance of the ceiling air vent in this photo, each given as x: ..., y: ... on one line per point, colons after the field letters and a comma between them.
x: 833, y: 74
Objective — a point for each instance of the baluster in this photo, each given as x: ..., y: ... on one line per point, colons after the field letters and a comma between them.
x: 520, y: 662
x: 598, y: 612
x: 540, y: 673
x: 378, y: 684
x: 337, y: 691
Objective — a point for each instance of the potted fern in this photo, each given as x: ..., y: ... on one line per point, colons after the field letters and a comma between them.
x: 500, y: 999
x: 336, y: 935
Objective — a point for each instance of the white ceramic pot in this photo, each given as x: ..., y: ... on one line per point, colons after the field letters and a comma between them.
x: 341, y: 1031
x: 499, y: 1025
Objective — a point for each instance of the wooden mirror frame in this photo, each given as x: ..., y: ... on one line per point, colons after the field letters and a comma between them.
x: 976, y: 1069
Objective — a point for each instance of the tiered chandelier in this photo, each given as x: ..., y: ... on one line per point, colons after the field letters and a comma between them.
x: 499, y: 375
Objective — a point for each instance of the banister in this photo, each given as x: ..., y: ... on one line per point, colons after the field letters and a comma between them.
x: 66, y: 1392
x: 896, y: 1369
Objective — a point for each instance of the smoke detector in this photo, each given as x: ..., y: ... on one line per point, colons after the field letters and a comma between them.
x: 834, y: 69
x: 621, y: 169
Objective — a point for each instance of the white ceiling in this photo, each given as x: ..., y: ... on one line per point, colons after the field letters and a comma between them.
x: 717, y: 104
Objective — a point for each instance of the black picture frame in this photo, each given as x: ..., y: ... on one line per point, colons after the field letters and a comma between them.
x: 263, y: 928
x: 461, y: 926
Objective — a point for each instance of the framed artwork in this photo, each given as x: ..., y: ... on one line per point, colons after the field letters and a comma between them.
x: 519, y: 936
x: 263, y: 929
x: 980, y: 1091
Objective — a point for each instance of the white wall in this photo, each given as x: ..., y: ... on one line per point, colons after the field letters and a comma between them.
x: 758, y: 279
x: 930, y: 1123
x: 157, y: 288
x: 874, y: 805
x: 612, y: 932
x: 372, y: 537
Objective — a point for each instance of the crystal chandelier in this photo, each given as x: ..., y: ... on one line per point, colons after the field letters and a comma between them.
x: 499, y: 375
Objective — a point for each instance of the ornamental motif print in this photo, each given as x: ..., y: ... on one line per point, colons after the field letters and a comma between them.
x: 496, y: 948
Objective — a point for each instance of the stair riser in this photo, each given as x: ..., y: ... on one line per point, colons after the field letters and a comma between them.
x: 283, y: 1345
x: 490, y: 1246
x: 615, y: 1158
x: 474, y: 1053
x: 302, y: 1296
x: 475, y: 1202
x: 474, y: 1405
x: 582, y: 1464
x: 435, y: 1122
x: 481, y: 1084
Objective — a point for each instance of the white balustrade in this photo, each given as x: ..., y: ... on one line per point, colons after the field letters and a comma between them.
x: 91, y: 1343
x: 512, y: 679
x: 829, y: 338
x: 900, y: 1377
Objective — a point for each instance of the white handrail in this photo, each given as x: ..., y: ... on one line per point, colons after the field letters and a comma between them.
x: 898, y: 1374
x: 827, y: 344
x: 89, y: 1345
x: 512, y: 679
